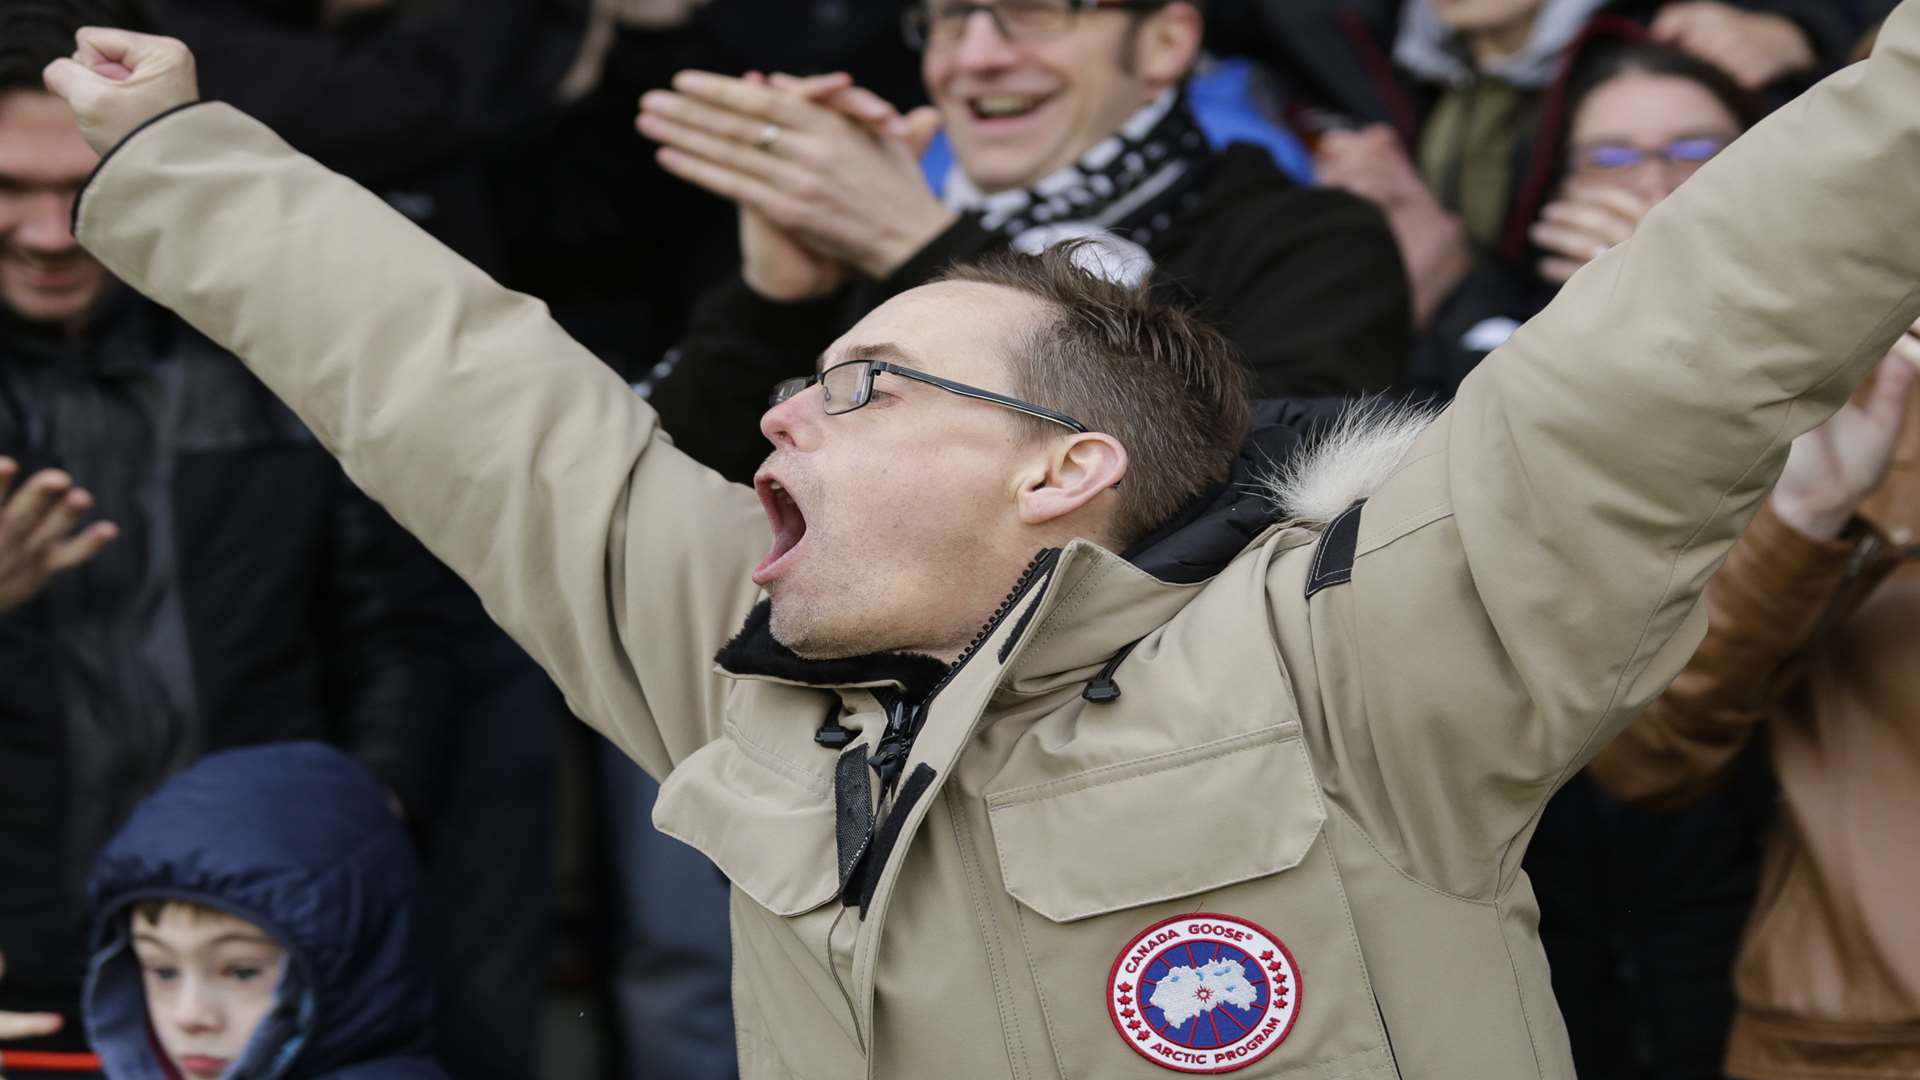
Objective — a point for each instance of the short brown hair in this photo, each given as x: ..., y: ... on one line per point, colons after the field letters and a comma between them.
x: 1170, y: 388
x: 152, y: 911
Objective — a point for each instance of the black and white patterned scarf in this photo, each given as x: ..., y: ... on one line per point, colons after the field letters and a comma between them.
x: 1132, y: 184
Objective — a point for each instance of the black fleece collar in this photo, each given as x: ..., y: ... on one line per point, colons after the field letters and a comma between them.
x: 755, y: 651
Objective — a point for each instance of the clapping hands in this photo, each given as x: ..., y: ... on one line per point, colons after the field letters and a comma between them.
x: 826, y: 174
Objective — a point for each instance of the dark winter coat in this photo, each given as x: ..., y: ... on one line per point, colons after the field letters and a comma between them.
x: 296, y: 839
x: 1306, y: 282
x: 253, y: 595
x: 400, y: 101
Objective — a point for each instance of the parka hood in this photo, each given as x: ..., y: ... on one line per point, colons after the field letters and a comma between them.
x: 1304, y: 461
x: 296, y: 838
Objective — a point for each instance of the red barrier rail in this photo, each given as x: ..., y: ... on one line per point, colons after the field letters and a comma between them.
x: 43, y: 1061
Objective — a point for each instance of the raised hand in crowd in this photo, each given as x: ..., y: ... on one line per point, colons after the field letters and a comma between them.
x: 40, y: 532
x: 117, y: 80
x: 845, y: 192
x: 1370, y: 162
x: 1584, y: 223
x: 1833, y: 468
x: 16, y: 1025
x: 1755, y: 47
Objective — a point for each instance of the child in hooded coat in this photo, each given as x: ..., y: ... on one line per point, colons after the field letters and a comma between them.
x: 257, y: 919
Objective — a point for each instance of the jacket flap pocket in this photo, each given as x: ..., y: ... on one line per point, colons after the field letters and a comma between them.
x: 1158, y: 828
x: 767, y: 825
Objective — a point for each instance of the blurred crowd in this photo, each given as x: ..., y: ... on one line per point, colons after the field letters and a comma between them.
x: 1367, y: 196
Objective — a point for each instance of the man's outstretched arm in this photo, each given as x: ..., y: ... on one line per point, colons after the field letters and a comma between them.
x: 519, y: 459
x: 1530, y: 577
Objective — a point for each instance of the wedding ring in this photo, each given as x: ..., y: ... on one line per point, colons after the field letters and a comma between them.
x: 769, y: 135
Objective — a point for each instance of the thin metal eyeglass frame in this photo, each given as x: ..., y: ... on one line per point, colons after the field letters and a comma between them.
x: 916, y: 22
x: 789, y: 388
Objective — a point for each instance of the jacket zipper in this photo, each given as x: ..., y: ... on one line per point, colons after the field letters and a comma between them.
x: 904, y: 719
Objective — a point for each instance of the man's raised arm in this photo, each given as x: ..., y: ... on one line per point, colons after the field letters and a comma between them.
x: 1530, y: 576
x: 518, y: 458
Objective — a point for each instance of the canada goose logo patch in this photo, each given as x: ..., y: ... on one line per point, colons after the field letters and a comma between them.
x: 1204, y: 993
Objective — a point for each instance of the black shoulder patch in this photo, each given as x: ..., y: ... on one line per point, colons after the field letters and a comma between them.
x: 1333, y: 555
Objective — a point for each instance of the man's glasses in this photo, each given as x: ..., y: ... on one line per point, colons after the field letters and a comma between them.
x: 1685, y: 154
x: 848, y: 386
x: 944, y: 22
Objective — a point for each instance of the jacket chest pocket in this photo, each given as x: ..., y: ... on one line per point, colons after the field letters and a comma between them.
x: 759, y: 802
x: 1184, y: 913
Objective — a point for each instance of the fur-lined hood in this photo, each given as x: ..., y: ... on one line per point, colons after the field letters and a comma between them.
x: 1346, y: 461
x: 1304, y: 462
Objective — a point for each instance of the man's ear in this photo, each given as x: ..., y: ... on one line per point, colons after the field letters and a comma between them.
x: 1075, y: 472
x: 1168, y: 44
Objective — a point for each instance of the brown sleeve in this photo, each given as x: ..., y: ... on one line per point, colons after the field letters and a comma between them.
x: 1777, y: 587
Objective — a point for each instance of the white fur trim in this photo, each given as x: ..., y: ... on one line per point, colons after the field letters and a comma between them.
x: 1347, y: 463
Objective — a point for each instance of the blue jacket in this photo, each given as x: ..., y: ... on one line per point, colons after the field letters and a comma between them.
x: 297, y: 839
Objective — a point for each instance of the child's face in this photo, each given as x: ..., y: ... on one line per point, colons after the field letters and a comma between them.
x: 209, y: 979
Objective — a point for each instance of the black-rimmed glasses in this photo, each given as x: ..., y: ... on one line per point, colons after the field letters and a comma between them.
x: 943, y: 22
x: 849, y: 385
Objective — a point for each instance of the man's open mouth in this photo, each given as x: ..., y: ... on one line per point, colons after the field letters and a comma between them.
x: 1005, y: 106
x: 789, y: 527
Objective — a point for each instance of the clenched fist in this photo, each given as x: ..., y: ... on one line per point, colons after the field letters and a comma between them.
x: 117, y: 80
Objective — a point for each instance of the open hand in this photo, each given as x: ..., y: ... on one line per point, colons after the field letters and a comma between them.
x: 1833, y: 468
x: 117, y: 80
x: 1583, y: 224
x: 1755, y: 47
x: 40, y: 534
x: 812, y: 172
x: 25, y: 1025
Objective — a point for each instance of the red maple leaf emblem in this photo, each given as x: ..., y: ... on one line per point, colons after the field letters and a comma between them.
x: 1268, y: 955
x: 1125, y: 1000
x: 1126, y: 988
x: 1126, y: 1012
x: 1141, y: 1034
x: 1133, y: 1023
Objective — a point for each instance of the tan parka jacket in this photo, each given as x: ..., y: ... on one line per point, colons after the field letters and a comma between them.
x: 1329, y: 796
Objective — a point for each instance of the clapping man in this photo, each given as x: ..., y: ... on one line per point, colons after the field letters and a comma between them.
x: 1066, y: 117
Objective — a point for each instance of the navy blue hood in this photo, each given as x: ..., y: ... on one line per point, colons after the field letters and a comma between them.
x: 297, y: 839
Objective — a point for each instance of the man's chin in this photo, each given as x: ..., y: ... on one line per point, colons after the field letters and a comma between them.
x: 806, y: 637
x: 52, y: 307
x: 995, y: 167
